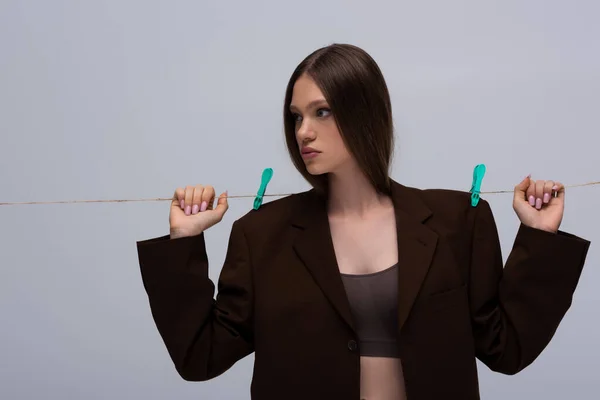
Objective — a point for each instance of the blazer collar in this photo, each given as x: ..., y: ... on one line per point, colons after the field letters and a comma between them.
x: 416, y: 245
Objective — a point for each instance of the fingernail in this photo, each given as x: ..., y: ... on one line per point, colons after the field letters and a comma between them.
x: 203, y: 206
x: 555, y: 187
x: 182, y: 203
x: 538, y: 203
x: 188, y: 210
x: 195, y: 209
x: 532, y: 200
x: 546, y: 197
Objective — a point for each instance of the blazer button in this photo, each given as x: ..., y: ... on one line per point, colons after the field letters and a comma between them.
x: 352, y: 345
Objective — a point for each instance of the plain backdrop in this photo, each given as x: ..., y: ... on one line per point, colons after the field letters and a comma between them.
x: 131, y: 99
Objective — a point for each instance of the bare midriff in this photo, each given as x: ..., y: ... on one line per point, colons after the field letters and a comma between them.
x: 381, y: 378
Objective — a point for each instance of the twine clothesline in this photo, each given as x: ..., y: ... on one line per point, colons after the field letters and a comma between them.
x: 229, y: 197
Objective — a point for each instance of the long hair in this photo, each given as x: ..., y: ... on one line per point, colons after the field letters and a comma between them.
x: 357, y: 94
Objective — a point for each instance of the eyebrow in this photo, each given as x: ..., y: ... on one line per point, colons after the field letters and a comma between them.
x: 310, y: 105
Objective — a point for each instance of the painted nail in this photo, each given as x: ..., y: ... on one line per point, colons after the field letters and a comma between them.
x: 538, y: 203
x: 532, y: 200
x: 188, y: 210
x: 555, y: 187
x: 195, y: 209
x: 182, y: 203
x: 546, y: 197
x: 204, y: 206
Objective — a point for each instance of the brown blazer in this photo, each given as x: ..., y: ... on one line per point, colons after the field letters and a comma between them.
x: 280, y: 296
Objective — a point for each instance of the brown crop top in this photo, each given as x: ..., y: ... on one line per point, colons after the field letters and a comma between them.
x: 373, y: 301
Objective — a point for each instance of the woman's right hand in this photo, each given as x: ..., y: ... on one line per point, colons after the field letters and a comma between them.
x: 192, y: 210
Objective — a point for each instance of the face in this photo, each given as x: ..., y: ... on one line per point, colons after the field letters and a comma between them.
x: 316, y: 129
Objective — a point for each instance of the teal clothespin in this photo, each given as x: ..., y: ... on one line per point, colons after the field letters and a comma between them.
x: 478, y: 174
x: 266, y: 177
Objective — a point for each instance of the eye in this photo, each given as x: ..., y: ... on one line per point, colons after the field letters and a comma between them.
x: 296, y: 117
x: 323, y: 112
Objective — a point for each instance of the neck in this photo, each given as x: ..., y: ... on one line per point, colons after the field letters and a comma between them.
x: 351, y: 194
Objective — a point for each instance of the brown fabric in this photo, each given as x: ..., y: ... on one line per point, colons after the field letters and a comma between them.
x: 281, y: 296
x: 373, y: 302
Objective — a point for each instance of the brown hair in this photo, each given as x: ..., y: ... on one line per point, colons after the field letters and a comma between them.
x: 355, y: 89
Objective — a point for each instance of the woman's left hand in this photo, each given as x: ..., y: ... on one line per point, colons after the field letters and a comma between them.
x: 537, y: 207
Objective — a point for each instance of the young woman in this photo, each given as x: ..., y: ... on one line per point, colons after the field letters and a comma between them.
x: 360, y: 288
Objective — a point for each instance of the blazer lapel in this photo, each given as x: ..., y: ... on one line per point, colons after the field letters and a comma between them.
x: 314, y: 246
x: 416, y: 245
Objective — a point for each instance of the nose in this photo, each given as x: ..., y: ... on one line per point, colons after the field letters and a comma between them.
x: 305, y: 133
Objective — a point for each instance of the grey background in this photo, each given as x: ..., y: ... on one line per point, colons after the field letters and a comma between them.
x: 131, y: 99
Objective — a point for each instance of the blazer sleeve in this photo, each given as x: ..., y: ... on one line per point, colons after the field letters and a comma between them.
x: 203, y: 335
x: 516, y: 308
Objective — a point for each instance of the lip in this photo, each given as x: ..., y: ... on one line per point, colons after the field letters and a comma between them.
x: 308, y: 150
x: 311, y: 154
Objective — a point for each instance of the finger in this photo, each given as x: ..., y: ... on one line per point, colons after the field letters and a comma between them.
x: 520, y: 189
x: 197, y: 198
x: 539, y: 193
x: 547, y: 191
x: 178, y: 197
x: 208, y: 198
x: 222, y: 204
x: 531, y: 193
x: 523, y: 185
x: 189, y: 198
x: 560, y: 190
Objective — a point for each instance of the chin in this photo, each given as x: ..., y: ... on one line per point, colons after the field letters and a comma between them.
x: 315, y: 170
